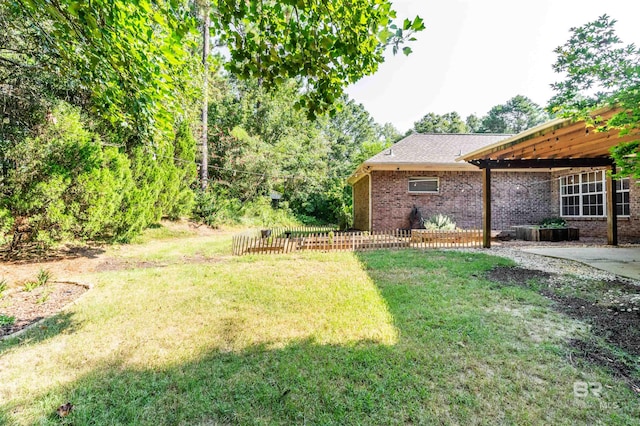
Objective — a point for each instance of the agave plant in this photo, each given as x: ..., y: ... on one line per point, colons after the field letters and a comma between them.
x: 440, y: 222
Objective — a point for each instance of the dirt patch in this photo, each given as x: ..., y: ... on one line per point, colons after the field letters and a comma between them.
x: 513, y: 275
x: 63, y: 264
x: 28, y: 307
x: 120, y: 265
x: 618, y: 325
x: 596, y: 354
x: 613, y: 310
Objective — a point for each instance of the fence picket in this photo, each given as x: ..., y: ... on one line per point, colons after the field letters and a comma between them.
x: 289, y: 240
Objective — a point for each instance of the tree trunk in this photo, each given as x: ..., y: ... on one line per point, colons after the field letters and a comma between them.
x: 204, y: 165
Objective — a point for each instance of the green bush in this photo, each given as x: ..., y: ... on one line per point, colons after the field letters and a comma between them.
x: 214, y: 207
x: 553, y: 222
x: 259, y: 212
x: 66, y: 181
x: 440, y: 222
x: 6, y: 320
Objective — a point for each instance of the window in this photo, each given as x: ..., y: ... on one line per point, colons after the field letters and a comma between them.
x: 622, y: 196
x: 424, y: 185
x: 593, y: 185
x: 585, y: 195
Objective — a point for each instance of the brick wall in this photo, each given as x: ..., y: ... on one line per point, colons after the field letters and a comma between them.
x: 628, y: 227
x: 361, y: 204
x: 518, y: 198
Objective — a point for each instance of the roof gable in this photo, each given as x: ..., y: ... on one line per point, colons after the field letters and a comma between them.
x: 428, y: 151
x: 433, y: 148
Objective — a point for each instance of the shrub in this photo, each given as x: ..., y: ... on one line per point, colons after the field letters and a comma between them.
x: 42, y: 279
x: 553, y: 222
x: 440, y: 222
x: 260, y: 213
x: 215, y: 207
x: 67, y: 181
x: 6, y: 320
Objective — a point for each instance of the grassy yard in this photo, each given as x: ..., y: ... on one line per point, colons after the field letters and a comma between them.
x: 184, y: 334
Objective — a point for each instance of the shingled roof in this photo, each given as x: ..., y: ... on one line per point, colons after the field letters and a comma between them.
x: 423, y: 151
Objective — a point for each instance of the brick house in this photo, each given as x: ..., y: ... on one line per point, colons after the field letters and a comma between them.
x: 426, y: 171
x: 421, y: 170
x: 584, y: 189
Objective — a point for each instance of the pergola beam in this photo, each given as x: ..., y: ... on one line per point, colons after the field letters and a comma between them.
x: 612, y: 209
x: 546, y: 163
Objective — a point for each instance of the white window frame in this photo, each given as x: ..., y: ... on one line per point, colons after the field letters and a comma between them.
x: 621, y: 190
x: 423, y: 179
x: 578, y: 183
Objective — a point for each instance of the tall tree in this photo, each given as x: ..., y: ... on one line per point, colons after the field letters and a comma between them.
x: 601, y: 71
x: 474, y: 123
x: 450, y: 122
x: 389, y: 134
x: 133, y: 69
x: 516, y: 115
x: 134, y: 56
x: 204, y: 139
x: 131, y: 58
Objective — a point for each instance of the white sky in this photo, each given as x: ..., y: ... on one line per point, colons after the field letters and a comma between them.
x: 475, y: 54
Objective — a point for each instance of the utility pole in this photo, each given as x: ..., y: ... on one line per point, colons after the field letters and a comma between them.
x: 204, y: 165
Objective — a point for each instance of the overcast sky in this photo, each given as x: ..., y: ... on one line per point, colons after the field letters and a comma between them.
x: 475, y: 54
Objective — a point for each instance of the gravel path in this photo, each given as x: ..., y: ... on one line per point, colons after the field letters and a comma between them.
x: 551, y: 264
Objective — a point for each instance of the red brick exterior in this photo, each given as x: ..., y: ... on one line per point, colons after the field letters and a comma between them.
x: 628, y: 227
x: 518, y: 198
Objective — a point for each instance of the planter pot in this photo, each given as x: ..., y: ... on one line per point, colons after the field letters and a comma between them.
x: 534, y: 233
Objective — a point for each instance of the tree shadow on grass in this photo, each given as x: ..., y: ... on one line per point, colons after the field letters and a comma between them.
x: 35, y: 253
x: 321, y: 384
x: 38, y: 332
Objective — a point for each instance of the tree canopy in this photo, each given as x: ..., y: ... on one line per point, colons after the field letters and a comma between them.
x: 261, y: 143
x: 136, y: 58
x: 100, y: 103
x: 446, y: 123
x: 601, y: 71
x: 516, y: 115
x: 329, y: 44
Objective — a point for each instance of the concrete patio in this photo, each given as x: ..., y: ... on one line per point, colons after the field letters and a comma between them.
x: 623, y: 261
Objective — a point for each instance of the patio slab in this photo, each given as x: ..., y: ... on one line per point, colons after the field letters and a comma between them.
x: 623, y: 261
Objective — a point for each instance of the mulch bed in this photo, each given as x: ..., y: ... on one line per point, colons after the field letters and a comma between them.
x: 28, y: 307
x: 616, y: 321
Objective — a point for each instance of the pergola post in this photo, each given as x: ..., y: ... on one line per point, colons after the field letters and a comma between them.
x: 612, y: 208
x: 486, y: 207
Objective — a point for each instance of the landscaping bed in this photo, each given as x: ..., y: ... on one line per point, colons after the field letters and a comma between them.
x: 29, y: 307
x: 538, y: 233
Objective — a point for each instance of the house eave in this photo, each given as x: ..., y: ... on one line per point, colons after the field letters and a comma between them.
x: 366, y: 169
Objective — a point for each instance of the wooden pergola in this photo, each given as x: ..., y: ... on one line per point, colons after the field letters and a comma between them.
x: 561, y: 143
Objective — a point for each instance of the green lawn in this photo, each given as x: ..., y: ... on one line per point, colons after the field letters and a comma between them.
x: 387, y: 337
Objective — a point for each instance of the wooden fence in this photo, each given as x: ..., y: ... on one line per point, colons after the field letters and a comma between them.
x: 288, y: 240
